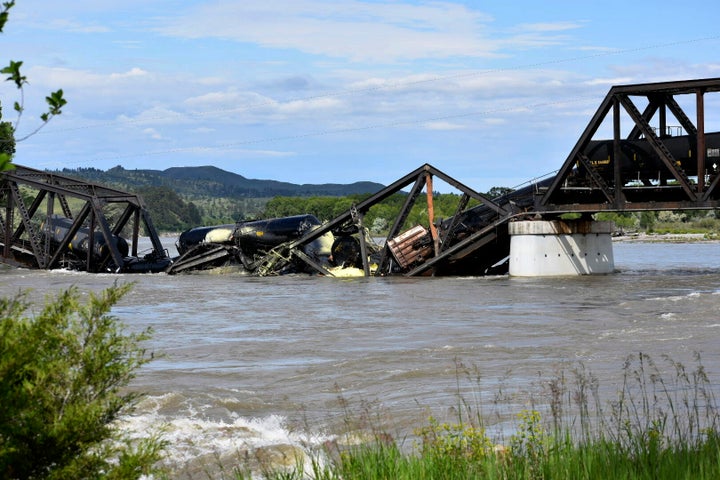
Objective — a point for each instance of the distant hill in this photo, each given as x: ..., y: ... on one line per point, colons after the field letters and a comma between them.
x: 209, y: 181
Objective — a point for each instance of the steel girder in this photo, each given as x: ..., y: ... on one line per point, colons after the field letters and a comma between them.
x: 27, y: 236
x: 615, y: 191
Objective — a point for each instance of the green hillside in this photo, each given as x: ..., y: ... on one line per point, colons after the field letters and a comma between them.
x: 184, y: 197
x: 189, y: 182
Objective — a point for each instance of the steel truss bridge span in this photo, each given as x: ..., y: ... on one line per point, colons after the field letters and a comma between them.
x: 52, y: 221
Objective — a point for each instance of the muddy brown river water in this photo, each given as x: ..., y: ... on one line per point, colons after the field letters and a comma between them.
x: 246, y: 363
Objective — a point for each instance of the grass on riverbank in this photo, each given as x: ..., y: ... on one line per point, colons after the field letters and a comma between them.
x: 663, y: 424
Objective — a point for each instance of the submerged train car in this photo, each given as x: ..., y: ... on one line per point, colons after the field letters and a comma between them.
x: 94, y: 249
x: 245, y: 243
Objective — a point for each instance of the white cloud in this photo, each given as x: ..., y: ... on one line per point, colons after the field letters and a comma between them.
x: 76, y: 27
x: 549, y: 27
x: 152, y: 133
x: 70, y: 78
x: 226, y: 100
x: 312, y: 105
x: 443, y: 125
x: 608, y: 82
x: 155, y: 116
x: 351, y: 29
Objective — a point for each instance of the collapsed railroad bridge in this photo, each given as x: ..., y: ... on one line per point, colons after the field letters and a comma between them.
x: 665, y: 160
x: 51, y: 221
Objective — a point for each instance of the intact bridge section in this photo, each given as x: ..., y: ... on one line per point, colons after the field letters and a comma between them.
x: 664, y: 160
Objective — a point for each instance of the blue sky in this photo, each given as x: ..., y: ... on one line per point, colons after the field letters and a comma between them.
x: 319, y: 91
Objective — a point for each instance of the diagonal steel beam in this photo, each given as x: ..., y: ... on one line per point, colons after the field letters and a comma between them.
x: 26, y: 217
x: 660, y: 149
x: 399, y: 221
x: 679, y: 113
x: 74, y: 228
x: 467, y: 245
x: 582, y: 142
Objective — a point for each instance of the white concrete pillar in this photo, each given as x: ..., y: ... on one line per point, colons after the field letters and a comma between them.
x: 541, y: 248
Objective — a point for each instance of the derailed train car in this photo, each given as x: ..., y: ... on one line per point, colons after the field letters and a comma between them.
x: 79, y: 245
x: 92, y: 249
x: 245, y: 243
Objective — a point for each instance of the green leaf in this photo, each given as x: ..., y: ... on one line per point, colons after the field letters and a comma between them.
x: 6, y: 162
x: 13, y: 72
x: 4, y: 14
x: 56, y: 102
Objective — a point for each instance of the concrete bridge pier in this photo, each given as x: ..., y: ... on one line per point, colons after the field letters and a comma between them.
x: 544, y: 248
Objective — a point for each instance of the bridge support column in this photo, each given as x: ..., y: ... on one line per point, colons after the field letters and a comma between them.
x: 542, y: 248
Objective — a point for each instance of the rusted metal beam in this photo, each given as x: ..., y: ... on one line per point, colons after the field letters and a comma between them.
x: 617, y: 156
x: 107, y: 236
x: 37, y: 201
x: 711, y: 189
x: 305, y: 258
x: 473, y: 242
x: 469, y: 191
x: 591, y: 207
x: 8, y: 240
x: 400, y: 218
x: 431, y: 214
x: 358, y: 221
x: 680, y: 115
x: 65, y: 185
x: 362, y: 206
x: 671, y: 87
x: 450, y: 232
x: 158, y: 248
x: 647, y: 114
x: 28, y: 226
x: 596, y: 178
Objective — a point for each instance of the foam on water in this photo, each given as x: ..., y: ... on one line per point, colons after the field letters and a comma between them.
x: 198, y: 441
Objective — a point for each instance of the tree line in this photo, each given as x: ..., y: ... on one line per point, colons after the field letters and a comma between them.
x: 172, y: 212
x: 378, y: 218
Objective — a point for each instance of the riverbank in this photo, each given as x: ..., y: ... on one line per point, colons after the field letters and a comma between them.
x: 666, y: 237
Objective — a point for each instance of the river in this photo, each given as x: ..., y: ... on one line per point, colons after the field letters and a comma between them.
x: 248, y: 364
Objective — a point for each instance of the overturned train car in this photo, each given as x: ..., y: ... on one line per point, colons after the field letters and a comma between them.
x: 89, y: 250
x: 246, y: 244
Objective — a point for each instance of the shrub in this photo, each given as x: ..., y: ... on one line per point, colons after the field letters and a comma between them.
x: 456, y: 440
x: 62, y: 378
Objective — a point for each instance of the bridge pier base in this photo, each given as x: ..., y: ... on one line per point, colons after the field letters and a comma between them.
x: 542, y: 248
